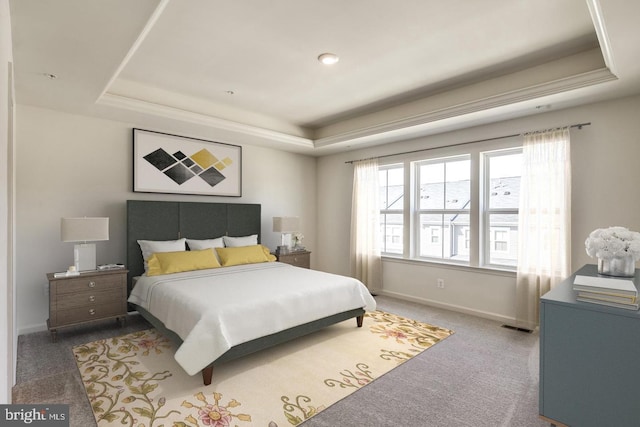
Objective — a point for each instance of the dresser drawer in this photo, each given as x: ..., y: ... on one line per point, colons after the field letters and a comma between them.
x: 89, y: 312
x: 89, y: 283
x: 90, y: 297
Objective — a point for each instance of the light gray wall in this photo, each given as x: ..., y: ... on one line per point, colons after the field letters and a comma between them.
x: 605, y: 176
x: 7, y: 332
x: 75, y: 165
x: 71, y: 165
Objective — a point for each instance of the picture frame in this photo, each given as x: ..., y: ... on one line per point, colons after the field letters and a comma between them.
x: 166, y: 163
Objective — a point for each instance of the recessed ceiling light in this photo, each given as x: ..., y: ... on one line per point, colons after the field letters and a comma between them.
x: 328, y: 58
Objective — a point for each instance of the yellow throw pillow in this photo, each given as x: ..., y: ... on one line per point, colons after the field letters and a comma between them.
x: 176, y: 262
x: 244, y: 255
x: 270, y: 257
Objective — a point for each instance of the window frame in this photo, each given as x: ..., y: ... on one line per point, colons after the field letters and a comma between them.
x: 418, y: 211
x: 487, y: 238
x: 477, y: 234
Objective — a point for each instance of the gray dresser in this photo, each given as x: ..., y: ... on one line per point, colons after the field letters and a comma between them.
x: 589, y: 360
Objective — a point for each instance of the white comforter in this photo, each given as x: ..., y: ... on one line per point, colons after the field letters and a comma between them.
x: 214, y: 310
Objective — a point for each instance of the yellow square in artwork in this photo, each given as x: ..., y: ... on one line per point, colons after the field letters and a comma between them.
x: 220, y: 166
x: 204, y: 159
x: 227, y: 161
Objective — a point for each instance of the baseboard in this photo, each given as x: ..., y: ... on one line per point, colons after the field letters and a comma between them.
x: 32, y: 328
x: 452, y: 307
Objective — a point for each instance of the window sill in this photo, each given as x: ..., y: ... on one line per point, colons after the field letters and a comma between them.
x: 451, y: 266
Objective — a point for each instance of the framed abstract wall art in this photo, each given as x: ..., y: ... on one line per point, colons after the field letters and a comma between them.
x: 164, y: 163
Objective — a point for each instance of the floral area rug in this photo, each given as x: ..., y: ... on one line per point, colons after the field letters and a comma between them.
x: 133, y: 380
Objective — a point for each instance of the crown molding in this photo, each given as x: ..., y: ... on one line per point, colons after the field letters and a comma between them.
x: 123, y: 102
x: 512, y: 97
x: 601, y: 32
x: 370, y: 134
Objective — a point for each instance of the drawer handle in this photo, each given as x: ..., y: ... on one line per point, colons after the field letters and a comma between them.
x: 295, y: 259
x: 92, y: 284
x: 92, y: 298
x: 92, y: 311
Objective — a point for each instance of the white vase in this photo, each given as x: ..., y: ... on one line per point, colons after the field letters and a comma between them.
x: 620, y: 266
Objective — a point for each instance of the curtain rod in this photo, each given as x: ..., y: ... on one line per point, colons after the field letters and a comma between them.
x: 578, y: 125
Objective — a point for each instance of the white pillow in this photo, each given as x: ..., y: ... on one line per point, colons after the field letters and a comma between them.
x: 234, y: 242
x: 198, y: 245
x: 150, y: 247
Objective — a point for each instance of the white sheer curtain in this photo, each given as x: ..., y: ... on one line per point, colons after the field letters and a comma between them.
x: 544, y: 246
x: 366, y: 263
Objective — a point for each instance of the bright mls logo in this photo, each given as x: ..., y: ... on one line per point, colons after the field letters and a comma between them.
x: 34, y: 415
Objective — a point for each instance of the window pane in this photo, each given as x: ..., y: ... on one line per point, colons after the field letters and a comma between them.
x: 445, y: 185
x: 432, y: 186
x: 504, y: 181
x: 503, y: 239
x: 391, y: 227
x: 430, y: 228
x: 444, y: 236
x: 458, y: 186
x: 460, y: 237
x: 392, y: 188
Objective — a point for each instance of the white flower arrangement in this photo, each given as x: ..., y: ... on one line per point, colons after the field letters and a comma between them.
x: 297, y: 239
x: 613, y: 242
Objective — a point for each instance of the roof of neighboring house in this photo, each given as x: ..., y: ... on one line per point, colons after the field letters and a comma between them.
x: 504, y: 193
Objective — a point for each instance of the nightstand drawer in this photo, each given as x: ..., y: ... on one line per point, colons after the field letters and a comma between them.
x: 90, y: 312
x: 89, y: 283
x: 89, y: 298
x: 298, y: 259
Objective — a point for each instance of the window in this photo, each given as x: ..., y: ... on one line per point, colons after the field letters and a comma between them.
x: 444, y: 195
x: 391, y: 211
x: 502, y: 171
x: 460, y: 209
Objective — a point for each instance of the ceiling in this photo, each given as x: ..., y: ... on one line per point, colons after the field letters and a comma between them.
x: 247, y: 71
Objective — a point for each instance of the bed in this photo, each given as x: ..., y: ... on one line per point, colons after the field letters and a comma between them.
x: 206, y: 310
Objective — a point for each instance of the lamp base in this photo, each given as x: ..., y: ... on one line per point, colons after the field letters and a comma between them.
x: 84, y: 256
x: 282, y: 250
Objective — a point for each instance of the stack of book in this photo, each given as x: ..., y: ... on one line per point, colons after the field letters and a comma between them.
x: 621, y: 293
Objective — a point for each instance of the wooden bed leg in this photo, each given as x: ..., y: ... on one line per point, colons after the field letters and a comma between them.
x: 207, y: 375
x: 360, y: 319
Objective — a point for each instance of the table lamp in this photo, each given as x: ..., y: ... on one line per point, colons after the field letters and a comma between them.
x: 83, y: 230
x: 285, y: 225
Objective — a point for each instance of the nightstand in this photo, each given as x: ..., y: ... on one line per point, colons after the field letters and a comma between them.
x: 297, y: 258
x: 95, y: 295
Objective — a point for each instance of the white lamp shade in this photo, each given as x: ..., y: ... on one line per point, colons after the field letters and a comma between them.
x: 84, y: 229
x: 286, y: 224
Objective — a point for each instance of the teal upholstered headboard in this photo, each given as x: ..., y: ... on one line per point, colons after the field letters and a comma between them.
x: 158, y: 220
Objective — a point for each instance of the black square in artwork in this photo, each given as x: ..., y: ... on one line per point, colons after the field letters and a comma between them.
x: 211, y: 176
x: 179, y: 173
x: 179, y: 155
x: 160, y: 159
x: 188, y: 162
x: 196, y: 168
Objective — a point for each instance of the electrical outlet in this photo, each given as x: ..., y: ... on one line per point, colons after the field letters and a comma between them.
x: 440, y: 283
